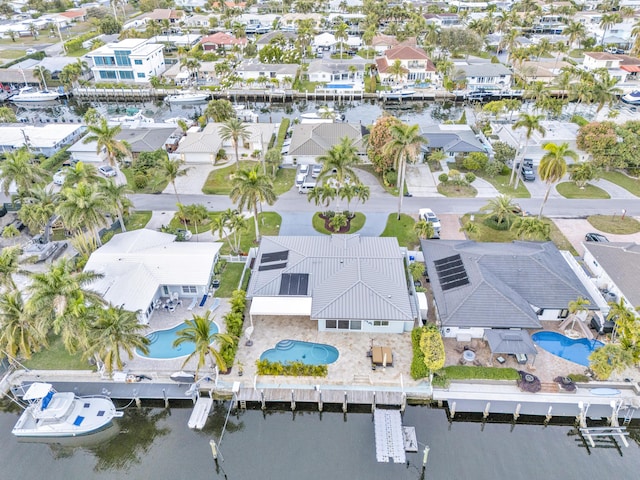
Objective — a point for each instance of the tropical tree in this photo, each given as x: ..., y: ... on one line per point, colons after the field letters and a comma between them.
x: 249, y: 188
x: 339, y: 161
x: 38, y: 206
x: 273, y: 158
x: 531, y: 124
x: 405, y: 143
x: 579, y: 308
x: 9, y: 266
x: 105, y: 137
x: 322, y: 195
x: 83, y: 207
x: 424, y: 229
x: 20, y: 333
x: 341, y: 35
x: 553, y: 166
x: 199, y: 331
x: 531, y: 228
x: 219, y: 110
x: 116, y: 199
x: 338, y: 221
x: 116, y: 331
x: 609, y: 359
x: 234, y: 130
x: 7, y: 115
x: 432, y: 347
x: 81, y: 172
x: 397, y: 71
x: 18, y: 167
x: 584, y: 172
x: 501, y: 209
x: 171, y: 169
x: 229, y: 226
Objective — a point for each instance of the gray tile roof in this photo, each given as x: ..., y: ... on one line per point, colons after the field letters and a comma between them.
x: 314, y: 139
x: 268, y: 37
x: 621, y: 261
x: 463, y: 141
x: 484, y: 70
x: 508, y: 282
x: 144, y: 139
x: 350, y: 277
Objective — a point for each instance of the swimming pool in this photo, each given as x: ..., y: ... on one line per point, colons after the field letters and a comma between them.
x: 162, y: 343
x: 576, y: 351
x: 305, y: 352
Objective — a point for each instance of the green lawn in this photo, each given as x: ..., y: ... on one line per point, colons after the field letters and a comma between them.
x: 269, y: 226
x: 614, y: 224
x: 356, y: 224
x: 55, y: 357
x: 451, y: 190
x: 12, y: 54
x: 367, y: 53
x: 285, y: 177
x: 219, y: 181
x: 135, y: 221
x: 307, y: 86
x: 501, y: 183
x: 401, y: 229
x: 628, y: 183
x: 229, y: 280
x: 571, y: 190
x: 371, y: 169
x: 155, y: 184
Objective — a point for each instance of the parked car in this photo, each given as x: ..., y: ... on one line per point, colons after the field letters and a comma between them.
x: 597, y: 325
x: 300, y: 179
x: 303, y: 168
x: 107, y: 170
x: 527, y: 174
x: 315, y: 171
x: 595, y: 237
x: 31, y: 51
x: 184, y: 234
x: 428, y: 215
x: 59, y: 176
x: 519, y: 211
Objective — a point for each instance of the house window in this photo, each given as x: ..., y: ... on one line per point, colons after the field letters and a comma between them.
x: 189, y: 289
x: 380, y: 323
x: 122, y: 57
x: 343, y: 324
x: 107, y: 75
x: 126, y: 75
x: 356, y: 325
x: 564, y: 313
x: 140, y: 75
x: 137, y: 62
x: 330, y: 324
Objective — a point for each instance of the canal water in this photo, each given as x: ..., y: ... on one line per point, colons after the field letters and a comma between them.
x: 154, y: 443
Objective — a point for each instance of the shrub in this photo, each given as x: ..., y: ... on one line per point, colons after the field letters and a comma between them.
x: 475, y: 161
x: 493, y: 168
x: 469, y: 177
x: 443, y: 178
x: 418, y: 367
x: 391, y: 178
x: 578, y: 377
x: 140, y: 180
x: 291, y: 369
x: 491, y: 221
x: 464, y: 372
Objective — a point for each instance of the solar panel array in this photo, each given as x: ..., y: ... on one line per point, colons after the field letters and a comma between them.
x: 275, y: 256
x: 451, y: 272
x: 294, y: 283
x: 271, y: 266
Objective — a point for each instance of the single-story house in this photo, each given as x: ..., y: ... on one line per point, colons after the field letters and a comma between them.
x: 42, y: 139
x: 329, y: 70
x: 451, y: 139
x: 287, y: 38
x: 478, y: 286
x: 333, y: 283
x: 203, y: 146
x: 311, y: 140
x: 279, y: 71
x: 141, y: 266
x: 221, y: 40
x: 546, y: 72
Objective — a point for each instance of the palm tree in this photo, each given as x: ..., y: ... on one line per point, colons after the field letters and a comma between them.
x: 199, y: 331
x: 17, y: 167
x: 83, y: 207
x: 575, y: 32
x: 171, y: 169
x: 42, y: 73
x: 116, y: 199
x: 9, y: 266
x: 404, y: 145
x: 584, y: 172
x: 607, y: 21
x: 501, y: 208
x: 81, y: 172
x: 116, y: 331
x: 21, y: 333
x: 249, y: 188
x: 341, y: 35
x: 531, y: 124
x: 234, y: 130
x: 531, y: 228
x: 322, y: 194
x: 577, y: 307
x: 106, y: 138
x: 338, y: 162
x: 397, y: 71
x: 273, y: 158
x: 424, y: 229
x: 553, y: 166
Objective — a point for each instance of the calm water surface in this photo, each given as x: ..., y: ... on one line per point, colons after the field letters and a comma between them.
x: 153, y: 443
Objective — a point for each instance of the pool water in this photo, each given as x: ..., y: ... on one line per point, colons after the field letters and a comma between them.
x: 162, y: 343
x: 576, y: 351
x: 305, y: 352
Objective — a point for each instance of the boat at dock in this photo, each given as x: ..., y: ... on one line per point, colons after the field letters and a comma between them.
x: 30, y: 94
x: 62, y: 414
x: 632, y: 98
x: 400, y: 92
x: 187, y: 97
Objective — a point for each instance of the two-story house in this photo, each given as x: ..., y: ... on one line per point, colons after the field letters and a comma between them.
x: 328, y: 70
x: 483, y: 76
x: 418, y: 68
x: 620, y: 67
x: 131, y: 60
x: 382, y: 43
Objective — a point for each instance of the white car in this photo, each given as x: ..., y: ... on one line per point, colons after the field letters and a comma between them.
x: 300, y: 179
x: 31, y: 51
x: 59, y: 176
x: 316, y: 170
x: 184, y: 234
x: 107, y: 170
x: 303, y: 169
x: 428, y: 215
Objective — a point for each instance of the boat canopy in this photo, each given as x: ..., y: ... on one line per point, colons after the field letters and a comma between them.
x: 37, y: 390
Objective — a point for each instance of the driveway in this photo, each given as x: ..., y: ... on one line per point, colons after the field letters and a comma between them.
x: 193, y: 181
x: 575, y: 229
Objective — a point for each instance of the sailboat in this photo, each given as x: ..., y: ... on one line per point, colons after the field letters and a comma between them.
x: 32, y: 94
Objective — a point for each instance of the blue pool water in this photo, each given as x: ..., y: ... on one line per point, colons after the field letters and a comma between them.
x: 162, y: 343
x: 576, y: 351
x: 338, y: 86
x: 305, y: 352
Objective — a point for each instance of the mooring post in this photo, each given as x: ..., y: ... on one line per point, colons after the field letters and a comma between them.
x: 344, y: 403
x: 373, y: 403
x: 547, y: 419
x: 425, y: 457
x: 403, y: 405
x: 319, y: 399
x: 452, y: 410
x: 485, y: 414
x: 516, y: 414
x: 214, y: 449
x: 264, y: 404
x: 293, y: 400
x: 166, y: 399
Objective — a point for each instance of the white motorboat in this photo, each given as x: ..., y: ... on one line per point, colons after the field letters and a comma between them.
x: 399, y: 93
x: 187, y: 97
x: 135, y: 119
x: 632, y: 98
x: 62, y: 414
x: 323, y: 115
x: 31, y: 94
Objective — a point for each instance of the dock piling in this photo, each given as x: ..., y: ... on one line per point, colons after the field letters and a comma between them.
x: 485, y: 414
x: 516, y: 414
x: 166, y: 399
x: 344, y: 403
x: 293, y: 400
x: 262, y: 400
x: 373, y: 403
x: 452, y: 410
x: 547, y: 419
x: 320, y: 406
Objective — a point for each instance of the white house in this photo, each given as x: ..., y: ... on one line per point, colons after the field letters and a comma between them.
x: 416, y: 65
x: 41, y: 139
x: 131, y: 60
x: 484, y: 76
x: 270, y: 71
x: 328, y: 70
x: 141, y: 266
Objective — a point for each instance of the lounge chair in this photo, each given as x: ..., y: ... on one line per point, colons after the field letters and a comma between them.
x: 459, y: 348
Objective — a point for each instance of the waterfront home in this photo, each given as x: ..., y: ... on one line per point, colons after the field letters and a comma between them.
x: 442, y: 20
x: 41, y: 139
x: 132, y: 60
x: 311, y: 140
x: 196, y: 20
x: 483, y: 76
x: 221, y: 41
x: 382, y: 43
x: 71, y: 16
x: 142, y: 266
x: 619, y: 67
x: 478, y: 286
x: 541, y: 71
x: 418, y: 68
x: 452, y: 139
x: 268, y: 71
x: 140, y: 138
x: 324, y: 42
x: 288, y: 39
x: 164, y: 14
x: 615, y: 268
x: 204, y: 146
x: 333, y: 283
x: 328, y: 70
x: 289, y: 21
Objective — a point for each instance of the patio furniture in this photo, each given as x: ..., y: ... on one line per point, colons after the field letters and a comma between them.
x: 469, y: 348
x: 477, y: 363
x: 215, y: 304
x: 382, y: 356
x: 193, y: 303
x: 501, y: 360
x: 459, y: 348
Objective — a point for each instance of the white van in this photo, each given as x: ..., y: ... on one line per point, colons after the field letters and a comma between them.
x: 306, y: 187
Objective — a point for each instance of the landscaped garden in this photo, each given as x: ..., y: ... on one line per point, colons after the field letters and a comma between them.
x: 322, y: 222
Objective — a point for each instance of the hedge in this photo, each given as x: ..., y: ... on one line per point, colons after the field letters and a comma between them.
x: 291, y: 369
x: 233, y: 322
x: 464, y: 372
x: 284, y: 126
x: 418, y: 367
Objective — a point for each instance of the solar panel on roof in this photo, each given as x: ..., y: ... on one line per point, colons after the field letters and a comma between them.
x: 294, y: 283
x: 451, y: 272
x: 274, y: 256
x: 273, y: 266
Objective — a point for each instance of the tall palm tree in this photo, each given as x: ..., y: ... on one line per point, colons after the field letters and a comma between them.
x: 607, y: 21
x: 171, y: 169
x: 404, y: 145
x: 339, y: 161
x: 531, y: 124
x: 83, y: 207
x: 42, y: 73
x: 234, y: 130
x: 575, y: 32
x: 341, y: 35
x: 116, y: 331
x: 38, y: 207
x: 9, y: 266
x: 578, y: 306
x: 18, y: 167
x: 397, y: 71
x: 249, y: 188
x: 81, y: 172
x: 106, y: 138
x: 553, y: 166
x: 116, y: 199
x: 322, y: 195
x: 199, y: 331
x: 21, y: 333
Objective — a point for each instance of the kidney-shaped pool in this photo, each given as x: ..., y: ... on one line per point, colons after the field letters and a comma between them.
x: 576, y: 351
x: 161, y: 345
x: 305, y: 352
